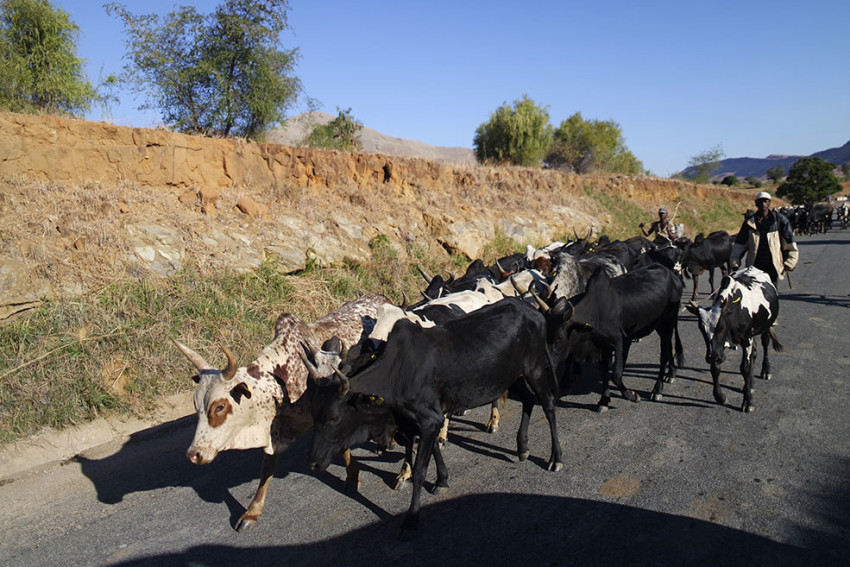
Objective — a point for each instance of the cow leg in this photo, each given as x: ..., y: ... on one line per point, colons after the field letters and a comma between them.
x: 747, y: 363
x: 429, y: 426
x: 443, y: 437
x: 666, y: 368
x: 493, y: 422
x: 546, y: 398
x: 719, y: 396
x: 352, y: 472
x: 442, y: 471
x: 619, y: 367
x: 711, y: 279
x: 252, y: 515
x: 527, y: 399
x: 406, y: 468
x: 765, y: 362
x: 695, y: 278
x: 604, y: 368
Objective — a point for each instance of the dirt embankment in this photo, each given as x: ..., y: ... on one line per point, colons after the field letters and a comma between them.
x: 85, y: 201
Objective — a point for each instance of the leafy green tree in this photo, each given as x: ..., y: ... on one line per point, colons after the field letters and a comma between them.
x: 39, y: 67
x: 341, y: 133
x: 730, y: 180
x: 518, y: 134
x: 776, y: 174
x: 704, y: 163
x: 754, y: 182
x: 591, y: 146
x: 810, y: 179
x: 845, y: 170
x: 219, y: 74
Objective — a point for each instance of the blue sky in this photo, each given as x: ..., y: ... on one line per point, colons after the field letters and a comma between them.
x: 753, y: 77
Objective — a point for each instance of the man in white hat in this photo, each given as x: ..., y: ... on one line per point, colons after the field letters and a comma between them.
x: 767, y: 240
x: 663, y: 227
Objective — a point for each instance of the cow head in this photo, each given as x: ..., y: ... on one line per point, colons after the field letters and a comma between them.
x: 714, y: 330
x: 341, y: 418
x: 228, y: 417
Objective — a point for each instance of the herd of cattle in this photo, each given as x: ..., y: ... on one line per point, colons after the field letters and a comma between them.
x: 527, y: 325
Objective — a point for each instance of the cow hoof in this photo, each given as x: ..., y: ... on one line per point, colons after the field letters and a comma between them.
x: 720, y: 399
x: 767, y: 376
x: 748, y: 408
x: 439, y: 488
x: 246, y: 523
x: 492, y: 429
x: 556, y: 466
x: 657, y: 397
x: 669, y: 379
x: 523, y: 455
x: 601, y: 408
x: 399, y: 483
x: 632, y: 396
x: 352, y: 486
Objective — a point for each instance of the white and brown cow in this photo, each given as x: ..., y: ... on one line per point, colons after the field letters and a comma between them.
x: 263, y: 405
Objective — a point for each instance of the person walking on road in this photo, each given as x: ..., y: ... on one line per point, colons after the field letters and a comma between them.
x: 766, y: 241
x: 663, y: 227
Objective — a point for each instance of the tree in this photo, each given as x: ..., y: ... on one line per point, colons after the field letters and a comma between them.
x: 220, y: 74
x: 776, y: 173
x: 810, y: 179
x: 730, y: 180
x: 586, y: 146
x: 754, y: 182
x: 39, y: 67
x: 341, y: 133
x: 845, y: 171
x: 518, y: 134
x: 704, y: 163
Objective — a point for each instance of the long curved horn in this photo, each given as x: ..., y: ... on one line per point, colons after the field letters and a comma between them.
x: 230, y: 370
x: 344, y: 386
x: 196, y: 358
x: 544, y: 307
x: 502, y: 270
x: 589, y: 233
x: 424, y: 274
x: 404, y: 302
x: 343, y: 353
x: 311, y: 368
x: 575, y: 232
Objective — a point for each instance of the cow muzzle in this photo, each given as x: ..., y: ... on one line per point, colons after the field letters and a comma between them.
x: 197, y: 457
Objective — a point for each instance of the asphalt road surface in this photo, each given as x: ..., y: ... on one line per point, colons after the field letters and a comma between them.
x: 683, y: 481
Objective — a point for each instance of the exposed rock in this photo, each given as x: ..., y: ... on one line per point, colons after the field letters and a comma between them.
x: 158, y: 248
x: 19, y: 289
x: 252, y: 208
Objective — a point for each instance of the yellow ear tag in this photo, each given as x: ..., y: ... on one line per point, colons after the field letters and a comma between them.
x: 737, y: 300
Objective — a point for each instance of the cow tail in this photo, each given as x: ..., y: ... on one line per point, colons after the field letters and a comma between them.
x: 777, y: 346
x: 680, y: 353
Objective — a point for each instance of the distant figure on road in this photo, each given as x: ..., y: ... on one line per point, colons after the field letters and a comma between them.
x: 767, y: 240
x: 663, y: 227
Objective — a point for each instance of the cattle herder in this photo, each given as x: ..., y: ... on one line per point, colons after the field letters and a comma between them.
x: 664, y: 227
x: 767, y: 240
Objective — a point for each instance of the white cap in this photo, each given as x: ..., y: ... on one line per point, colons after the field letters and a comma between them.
x: 763, y: 195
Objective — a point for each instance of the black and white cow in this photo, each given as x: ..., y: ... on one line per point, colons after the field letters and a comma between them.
x: 745, y: 307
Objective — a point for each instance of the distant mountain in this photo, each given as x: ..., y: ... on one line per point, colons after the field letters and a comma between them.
x: 296, y: 129
x: 757, y: 167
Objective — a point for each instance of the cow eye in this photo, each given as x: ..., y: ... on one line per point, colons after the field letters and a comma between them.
x: 219, y: 408
x: 333, y: 420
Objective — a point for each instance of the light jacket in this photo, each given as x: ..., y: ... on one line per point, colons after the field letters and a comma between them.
x: 780, y: 240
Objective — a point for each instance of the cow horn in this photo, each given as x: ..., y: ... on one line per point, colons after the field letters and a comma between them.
x: 344, y: 386
x: 544, y: 307
x: 230, y: 370
x: 404, y: 302
x: 424, y: 274
x: 311, y: 368
x: 196, y: 358
x: 343, y: 353
x: 502, y: 270
x: 575, y: 232
x: 693, y: 304
x: 589, y: 233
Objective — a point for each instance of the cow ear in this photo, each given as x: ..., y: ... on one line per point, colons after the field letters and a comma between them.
x: 692, y: 307
x: 239, y: 390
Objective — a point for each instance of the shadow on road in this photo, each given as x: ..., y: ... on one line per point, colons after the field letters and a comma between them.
x: 521, y: 529
x: 827, y: 300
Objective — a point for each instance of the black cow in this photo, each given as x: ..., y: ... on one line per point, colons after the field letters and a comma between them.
x: 611, y: 314
x: 745, y: 307
x: 707, y: 253
x: 424, y: 374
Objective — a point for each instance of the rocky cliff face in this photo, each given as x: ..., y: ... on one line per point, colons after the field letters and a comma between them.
x: 84, y: 203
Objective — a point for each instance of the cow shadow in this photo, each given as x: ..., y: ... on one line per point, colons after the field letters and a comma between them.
x: 155, y: 459
x: 827, y: 300
x: 525, y: 529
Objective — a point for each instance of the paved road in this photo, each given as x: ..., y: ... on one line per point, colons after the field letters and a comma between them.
x: 679, y: 482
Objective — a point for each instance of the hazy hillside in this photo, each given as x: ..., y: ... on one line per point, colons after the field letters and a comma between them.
x: 757, y: 167
x: 293, y: 132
